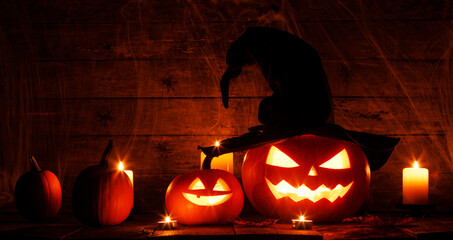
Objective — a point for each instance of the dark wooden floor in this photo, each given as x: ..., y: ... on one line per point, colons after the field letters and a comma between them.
x: 143, y: 226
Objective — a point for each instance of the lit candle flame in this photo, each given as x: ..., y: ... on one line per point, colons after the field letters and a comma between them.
x: 121, y: 166
x: 415, y: 164
x: 167, y: 219
x: 217, y: 143
x: 302, y: 218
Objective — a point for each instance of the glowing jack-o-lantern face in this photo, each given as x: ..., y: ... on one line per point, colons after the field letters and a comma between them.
x: 197, y: 193
x: 324, y: 179
x: 284, y: 189
x: 204, y: 197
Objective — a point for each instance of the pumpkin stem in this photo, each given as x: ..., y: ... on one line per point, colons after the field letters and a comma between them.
x: 106, y: 154
x: 34, y: 164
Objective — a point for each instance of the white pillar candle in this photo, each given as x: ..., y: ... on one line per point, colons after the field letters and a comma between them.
x: 129, y: 173
x: 415, y: 185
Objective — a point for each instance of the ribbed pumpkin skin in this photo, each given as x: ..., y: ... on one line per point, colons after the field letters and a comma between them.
x: 102, y: 196
x: 307, y: 151
x: 38, y: 195
x: 189, y: 213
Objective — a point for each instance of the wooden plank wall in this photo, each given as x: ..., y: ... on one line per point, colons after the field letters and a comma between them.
x: 145, y: 73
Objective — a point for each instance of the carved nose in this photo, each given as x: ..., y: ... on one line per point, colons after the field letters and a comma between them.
x: 312, y: 172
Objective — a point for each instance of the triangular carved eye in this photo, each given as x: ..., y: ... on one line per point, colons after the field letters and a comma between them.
x: 339, y: 161
x: 221, y: 185
x: 279, y: 159
x: 196, y: 185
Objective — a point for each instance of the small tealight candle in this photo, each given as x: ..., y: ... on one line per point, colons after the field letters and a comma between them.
x: 223, y: 162
x: 302, y: 224
x: 167, y: 224
x: 415, y: 185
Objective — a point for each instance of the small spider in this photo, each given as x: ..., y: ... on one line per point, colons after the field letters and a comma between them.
x: 345, y: 72
x: 168, y: 82
x: 163, y: 149
x: 105, y: 117
x: 107, y: 46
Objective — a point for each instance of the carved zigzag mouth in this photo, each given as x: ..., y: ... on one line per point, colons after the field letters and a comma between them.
x: 284, y: 189
x: 207, y: 200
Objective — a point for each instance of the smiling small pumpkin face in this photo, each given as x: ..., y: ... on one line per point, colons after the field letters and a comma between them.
x: 204, y: 197
x: 198, y: 194
x: 324, y: 179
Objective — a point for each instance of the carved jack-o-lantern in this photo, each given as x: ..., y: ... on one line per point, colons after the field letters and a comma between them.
x: 204, y: 197
x: 322, y: 178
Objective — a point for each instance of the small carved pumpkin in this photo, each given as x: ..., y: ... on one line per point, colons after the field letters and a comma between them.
x: 38, y: 193
x: 207, y: 196
x: 322, y: 178
x: 102, y: 195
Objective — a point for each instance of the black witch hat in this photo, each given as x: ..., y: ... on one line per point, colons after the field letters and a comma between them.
x: 301, y: 102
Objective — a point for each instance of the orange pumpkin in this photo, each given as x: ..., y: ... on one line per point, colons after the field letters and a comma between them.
x: 38, y: 193
x: 102, y: 195
x: 207, y: 196
x: 324, y: 179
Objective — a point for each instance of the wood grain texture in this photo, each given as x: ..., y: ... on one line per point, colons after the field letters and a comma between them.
x: 333, y: 40
x: 364, y: 232
x: 196, y: 232
x: 428, y: 230
x: 179, y: 154
x: 207, y: 116
x: 200, y: 78
x: 142, y: 226
x: 122, y: 11
x: 276, y: 231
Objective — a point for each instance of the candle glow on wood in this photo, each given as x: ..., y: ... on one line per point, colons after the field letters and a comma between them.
x: 223, y: 162
x: 415, y: 185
